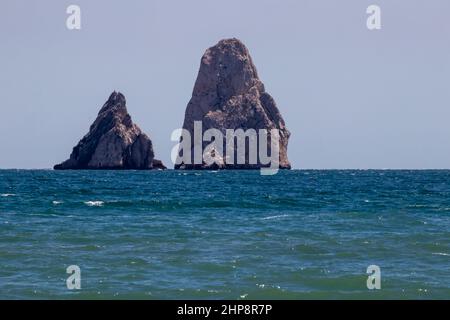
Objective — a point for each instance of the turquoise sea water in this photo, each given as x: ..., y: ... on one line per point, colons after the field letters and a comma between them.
x: 233, y: 234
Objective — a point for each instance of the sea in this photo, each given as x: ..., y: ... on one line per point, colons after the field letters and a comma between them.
x: 299, y: 234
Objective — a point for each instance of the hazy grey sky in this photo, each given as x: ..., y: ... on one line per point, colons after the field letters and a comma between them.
x: 352, y: 98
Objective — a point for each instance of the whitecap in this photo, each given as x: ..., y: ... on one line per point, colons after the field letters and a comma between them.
x: 7, y: 194
x: 213, y: 291
x: 57, y: 202
x: 418, y: 206
x: 94, y: 203
x: 441, y: 254
x: 275, y: 217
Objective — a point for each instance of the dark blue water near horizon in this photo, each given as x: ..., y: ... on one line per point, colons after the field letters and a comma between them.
x: 300, y: 234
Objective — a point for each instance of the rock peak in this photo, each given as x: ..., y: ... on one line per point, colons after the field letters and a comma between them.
x: 232, y: 43
x: 116, y: 97
x: 113, y: 142
x: 116, y: 103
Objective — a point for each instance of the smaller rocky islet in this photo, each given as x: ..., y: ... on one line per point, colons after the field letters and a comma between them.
x: 113, y: 142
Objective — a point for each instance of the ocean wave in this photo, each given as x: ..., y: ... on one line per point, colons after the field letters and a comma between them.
x: 276, y: 217
x: 94, y: 203
x: 7, y: 194
x: 441, y: 254
x: 57, y: 202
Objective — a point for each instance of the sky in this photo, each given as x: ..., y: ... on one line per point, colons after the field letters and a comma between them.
x: 351, y: 97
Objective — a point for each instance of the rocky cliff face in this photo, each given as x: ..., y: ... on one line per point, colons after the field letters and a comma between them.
x: 229, y: 95
x: 113, y: 142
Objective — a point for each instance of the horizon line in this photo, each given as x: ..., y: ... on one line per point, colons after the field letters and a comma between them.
x: 292, y: 169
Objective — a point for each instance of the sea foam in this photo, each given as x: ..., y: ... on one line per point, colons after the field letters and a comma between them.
x: 94, y: 203
x: 275, y: 217
x: 440, y: 254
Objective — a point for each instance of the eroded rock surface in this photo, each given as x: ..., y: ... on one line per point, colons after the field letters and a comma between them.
x: 229, y: 95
